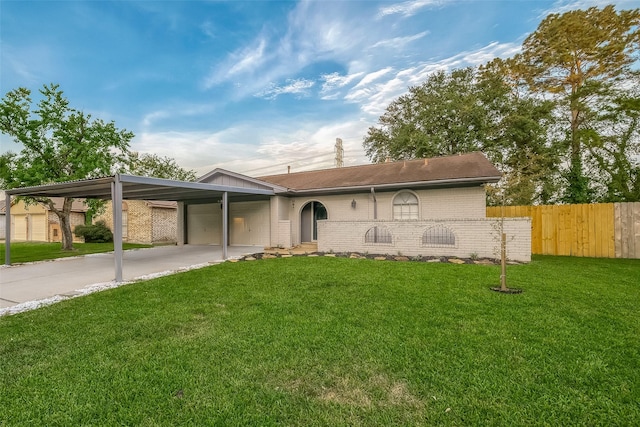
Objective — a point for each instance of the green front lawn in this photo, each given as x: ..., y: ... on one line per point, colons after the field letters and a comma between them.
x: 332, y: 341
x: 38, y: 251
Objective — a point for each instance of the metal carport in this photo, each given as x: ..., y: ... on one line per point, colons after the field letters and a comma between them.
x: 130, y: 187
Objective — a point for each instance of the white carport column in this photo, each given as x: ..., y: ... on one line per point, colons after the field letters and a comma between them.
x: 116, y: 203
x: 181, y: 224
x: 7, y: 230
x: 225, y: 224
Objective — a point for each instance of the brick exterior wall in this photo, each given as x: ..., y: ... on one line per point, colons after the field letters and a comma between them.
x: 449, y: 203
x: 480, y: 237
x: 55, y: 234
x: 164, y: 225
x: 144, y: 224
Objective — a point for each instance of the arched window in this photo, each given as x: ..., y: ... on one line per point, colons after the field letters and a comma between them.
x: 438, y: 236
x: 405, y: 206
x: 377, y: 235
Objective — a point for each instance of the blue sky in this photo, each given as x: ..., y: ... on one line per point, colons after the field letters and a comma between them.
x: 252, y: 86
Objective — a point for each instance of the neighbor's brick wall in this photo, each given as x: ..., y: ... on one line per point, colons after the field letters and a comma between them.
x: 140, y: 222
x: 164, y: 224
x: 473, y: 236
x: 76, y: 218
x: 145, y: 224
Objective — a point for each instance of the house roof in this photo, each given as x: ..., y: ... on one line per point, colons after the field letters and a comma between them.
x: 459, y: 170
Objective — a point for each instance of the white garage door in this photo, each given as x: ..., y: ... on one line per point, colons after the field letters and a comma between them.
x: 29, y: 227
x: 204, y: 224
x: 39, y: 228
x: 249, y: 223
x: 19, y: 227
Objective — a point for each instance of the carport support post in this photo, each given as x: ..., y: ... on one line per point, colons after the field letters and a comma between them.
x: 225, y: 224
x: 7, y: 230
x: 116, y: 203
x: 181, y: 224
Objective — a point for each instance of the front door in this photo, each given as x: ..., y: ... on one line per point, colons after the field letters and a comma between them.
x: 311, y: 213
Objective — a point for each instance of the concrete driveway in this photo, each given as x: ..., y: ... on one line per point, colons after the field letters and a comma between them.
x: 67, y: 277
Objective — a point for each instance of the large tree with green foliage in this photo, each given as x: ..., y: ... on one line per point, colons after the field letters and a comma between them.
x: 579, y: 58
x: 613, y: 145
x: 58, y: 144
x: 442, y: 116
x: 560, y: 118
x: 152, y: 165
x: 465, y: 110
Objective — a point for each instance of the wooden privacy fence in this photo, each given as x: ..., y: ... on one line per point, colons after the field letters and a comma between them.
x: 604, y: 230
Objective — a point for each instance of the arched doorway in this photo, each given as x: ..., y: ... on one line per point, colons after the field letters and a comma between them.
x: 311, y: 213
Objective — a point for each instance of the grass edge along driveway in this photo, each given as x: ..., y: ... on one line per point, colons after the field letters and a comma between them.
x: 332, y: 341
x: 22, y: 252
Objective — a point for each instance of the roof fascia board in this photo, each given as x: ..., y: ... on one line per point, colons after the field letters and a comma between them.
x: 101, y: 187
x: 421, y: 184
x: 42, y: 189
x: 134, y: 179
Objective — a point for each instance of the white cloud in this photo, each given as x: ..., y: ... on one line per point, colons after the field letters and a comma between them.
x: 303, y: 146
x: 250, y: 58
x: 371, y: 77
x: 374, y: 94
x: 293, y: 86
x: 313, y: 33
x: 398, y: 42
x: 27, y: 62
x: 407, y: 8
x: 154, y: 116
x: 240, y: 64
x: 333, y: 82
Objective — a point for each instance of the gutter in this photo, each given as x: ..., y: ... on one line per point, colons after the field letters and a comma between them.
x: 395, y: 185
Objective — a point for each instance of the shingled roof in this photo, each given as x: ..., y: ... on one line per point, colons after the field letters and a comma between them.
x: 458, y: 170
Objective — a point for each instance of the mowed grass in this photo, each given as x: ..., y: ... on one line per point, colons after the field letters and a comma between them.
x: 335, y: 342
x: 40, y: 251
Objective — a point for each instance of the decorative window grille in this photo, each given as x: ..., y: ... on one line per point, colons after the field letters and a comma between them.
x: 377, y: 235
x: 438, y: 236
x: 405, y: 206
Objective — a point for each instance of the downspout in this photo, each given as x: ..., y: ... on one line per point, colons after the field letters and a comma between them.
x: 375, y: 204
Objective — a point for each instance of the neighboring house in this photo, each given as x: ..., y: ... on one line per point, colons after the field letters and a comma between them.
x: 147, y: 222
x: 429, y: 207
x: 36, y: 223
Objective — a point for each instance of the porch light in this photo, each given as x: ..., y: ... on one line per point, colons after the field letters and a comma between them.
x: 353, y: 203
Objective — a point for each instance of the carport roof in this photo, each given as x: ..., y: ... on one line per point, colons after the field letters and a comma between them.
x: 138, y: 188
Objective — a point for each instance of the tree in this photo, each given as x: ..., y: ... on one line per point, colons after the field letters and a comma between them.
x: 470, y: 110
x: 442, y: 116
x: 59, y: 144
x: 578, y: 57
x: 523, y: 147
x: 155, y: 166
x: 614, y: 146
